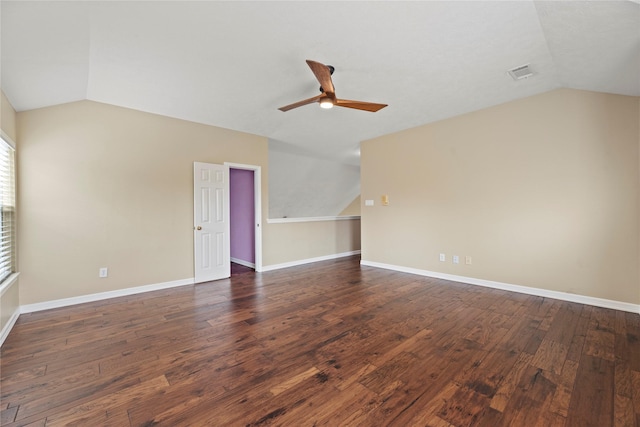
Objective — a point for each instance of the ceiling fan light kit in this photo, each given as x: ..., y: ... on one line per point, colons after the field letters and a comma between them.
x: 326, y: 103
x: 327, y: 98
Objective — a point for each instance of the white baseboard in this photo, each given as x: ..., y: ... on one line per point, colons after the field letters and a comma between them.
x: 7, y: 327
x: 243, y: 262
x: 309, y: 260
x: 46, y: 305
x: 564, y: 296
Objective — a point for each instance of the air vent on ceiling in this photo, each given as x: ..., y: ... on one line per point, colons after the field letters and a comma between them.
x: 521, y: 72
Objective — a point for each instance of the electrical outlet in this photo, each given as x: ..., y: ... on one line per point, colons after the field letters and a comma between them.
x: 467, y: 260
x: 103, y: 272
x: 443, y: 257
x: 456, y: 259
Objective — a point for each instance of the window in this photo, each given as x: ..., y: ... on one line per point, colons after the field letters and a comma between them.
x: 7, y: 210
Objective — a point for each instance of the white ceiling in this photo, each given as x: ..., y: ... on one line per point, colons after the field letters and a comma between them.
x: 232, y: 64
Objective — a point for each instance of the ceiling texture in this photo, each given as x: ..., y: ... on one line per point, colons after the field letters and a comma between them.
x: 232, y: 64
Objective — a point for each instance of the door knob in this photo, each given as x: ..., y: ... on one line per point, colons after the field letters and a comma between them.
x: 198, y: 228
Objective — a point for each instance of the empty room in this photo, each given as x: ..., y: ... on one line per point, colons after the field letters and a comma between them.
x: 314, y: 213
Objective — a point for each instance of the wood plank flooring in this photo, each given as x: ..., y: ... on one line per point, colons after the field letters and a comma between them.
x: 327, y: 344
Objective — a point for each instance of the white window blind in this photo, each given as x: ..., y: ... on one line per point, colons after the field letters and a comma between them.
x: 7, y: 210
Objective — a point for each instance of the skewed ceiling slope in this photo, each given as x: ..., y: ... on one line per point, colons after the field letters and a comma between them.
x: 232, y: 64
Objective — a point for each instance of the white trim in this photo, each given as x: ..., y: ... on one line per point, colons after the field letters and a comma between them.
x: 9, y: 325
x: 257, y: 202
x: 564, y: 296
x: 8, y: 282
x: 46, y: 305
x: 243, y: 262
x: 7, y: 139
x: 309, y: 260
x: 311, y: 219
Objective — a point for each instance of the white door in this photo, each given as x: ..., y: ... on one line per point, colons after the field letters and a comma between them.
x: 211, y: 222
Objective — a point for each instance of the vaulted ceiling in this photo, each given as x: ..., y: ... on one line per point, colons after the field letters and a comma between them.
x: 232, y: 64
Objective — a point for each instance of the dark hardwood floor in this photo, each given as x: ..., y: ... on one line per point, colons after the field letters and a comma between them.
x: 330, y: 343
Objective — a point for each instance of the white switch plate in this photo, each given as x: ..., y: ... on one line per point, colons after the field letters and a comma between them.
x: 103, y: 272
x: 368, y: 202
x: 467, y: 260
x: 443, y: 257
x: 456, y: 259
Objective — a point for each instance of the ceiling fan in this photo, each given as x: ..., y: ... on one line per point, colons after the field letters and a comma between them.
x: 327, y: 97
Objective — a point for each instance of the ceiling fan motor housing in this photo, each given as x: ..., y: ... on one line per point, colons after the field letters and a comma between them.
x: 331, y: 70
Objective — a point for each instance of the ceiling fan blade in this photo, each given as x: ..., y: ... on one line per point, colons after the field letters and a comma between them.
x: 301, y: 103
x: 360, y: 105
x: 323, y: 74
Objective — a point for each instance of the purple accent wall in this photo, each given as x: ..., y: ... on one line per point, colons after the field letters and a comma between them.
x: 242, y: 210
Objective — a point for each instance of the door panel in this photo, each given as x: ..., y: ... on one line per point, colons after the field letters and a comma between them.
x: 211, y: 222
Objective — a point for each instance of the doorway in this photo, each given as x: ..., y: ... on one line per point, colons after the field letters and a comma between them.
x: 245, y: 217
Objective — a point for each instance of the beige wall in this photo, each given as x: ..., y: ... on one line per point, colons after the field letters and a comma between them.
x: 541, y: 192
x: 353, y: 208
x: 9, y: 297
x: 103, y: 186
x: 311, y: 239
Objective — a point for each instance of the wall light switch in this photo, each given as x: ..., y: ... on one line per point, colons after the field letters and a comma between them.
x: 385, y: 200
x: 443, y: 257
x: 103, y: 272
x: 368, y: 202
x: 467, y: 260
x: 456, y: 259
